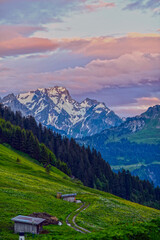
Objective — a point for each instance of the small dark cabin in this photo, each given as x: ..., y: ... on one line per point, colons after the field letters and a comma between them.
x: 27, y: 224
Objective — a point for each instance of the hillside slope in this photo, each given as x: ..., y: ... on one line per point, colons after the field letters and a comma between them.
x: 25, y: 188
x: 86, y: 165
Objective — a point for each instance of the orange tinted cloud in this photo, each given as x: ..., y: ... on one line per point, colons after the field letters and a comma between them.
x: 148, y: 101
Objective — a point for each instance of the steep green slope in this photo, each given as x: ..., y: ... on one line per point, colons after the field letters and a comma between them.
x: 25, y: 188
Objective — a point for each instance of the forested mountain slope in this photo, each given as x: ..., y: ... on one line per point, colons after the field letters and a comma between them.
x: 86, y: 165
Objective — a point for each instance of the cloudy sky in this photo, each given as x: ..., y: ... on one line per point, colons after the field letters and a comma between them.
x: 105, y: 50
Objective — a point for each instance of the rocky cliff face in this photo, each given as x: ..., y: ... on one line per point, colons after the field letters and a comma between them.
x: 55, y: 108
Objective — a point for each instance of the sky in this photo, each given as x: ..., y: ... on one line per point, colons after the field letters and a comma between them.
x: 108, y: 50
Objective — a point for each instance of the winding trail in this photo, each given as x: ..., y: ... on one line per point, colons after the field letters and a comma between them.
x: 75, y: 226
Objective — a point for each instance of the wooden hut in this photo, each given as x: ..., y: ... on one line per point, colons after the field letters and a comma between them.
x: 25, y: 224
x: 67, y: 197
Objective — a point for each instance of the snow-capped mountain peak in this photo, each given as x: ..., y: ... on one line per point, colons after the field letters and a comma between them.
x: 54, y: 107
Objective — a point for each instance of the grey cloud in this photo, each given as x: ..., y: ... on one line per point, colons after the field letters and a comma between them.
x: 14, y: 31
x: 122, y: 95
x: 37, y: 11
x: 142, y: 5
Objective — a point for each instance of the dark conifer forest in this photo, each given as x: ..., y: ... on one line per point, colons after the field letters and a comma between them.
x: 24, y: 134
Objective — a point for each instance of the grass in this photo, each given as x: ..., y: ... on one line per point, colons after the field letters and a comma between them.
x: 149, y: 136
x: 25, y: 188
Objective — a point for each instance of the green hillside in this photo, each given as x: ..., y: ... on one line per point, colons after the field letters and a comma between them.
x: 149, y: 134
x: 51, y: 149
x: 25, y: 187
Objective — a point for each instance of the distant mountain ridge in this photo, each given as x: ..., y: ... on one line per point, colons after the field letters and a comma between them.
x: 147, y: 123
x: 134, y: 145
x: 55, y: 108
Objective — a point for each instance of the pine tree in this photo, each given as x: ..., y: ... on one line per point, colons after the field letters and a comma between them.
x: 44, y: 159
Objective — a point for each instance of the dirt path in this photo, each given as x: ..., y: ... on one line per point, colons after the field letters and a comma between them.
x: 73, y: 220
x: 75, y: 226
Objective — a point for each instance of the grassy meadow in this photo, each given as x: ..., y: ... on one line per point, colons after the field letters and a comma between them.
x: 25, y: 188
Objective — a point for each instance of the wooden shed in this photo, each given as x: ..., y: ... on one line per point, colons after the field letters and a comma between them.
x: 27, y: 224
x: 69, y: 197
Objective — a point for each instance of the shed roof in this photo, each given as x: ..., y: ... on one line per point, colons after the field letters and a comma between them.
x: 29, y: 220
x: 69, y: 195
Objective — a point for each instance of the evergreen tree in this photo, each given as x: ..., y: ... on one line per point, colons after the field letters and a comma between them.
x: 44, y: 158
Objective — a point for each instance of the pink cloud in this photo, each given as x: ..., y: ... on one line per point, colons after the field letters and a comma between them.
x: 23, y: 45
x: 136, y: 69
x: 110, y: 47
x: 14, y: 40
x: 127, y: 70
x: 99, y: 5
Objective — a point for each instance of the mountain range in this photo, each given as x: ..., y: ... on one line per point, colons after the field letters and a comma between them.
x: 134, y: 145
x: 55, y: 108
x: 144, y: 128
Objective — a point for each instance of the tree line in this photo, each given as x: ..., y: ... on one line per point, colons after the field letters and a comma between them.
x: 85, y: 164
x: 25, y: 141
x: 124, y: 152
